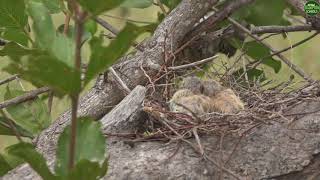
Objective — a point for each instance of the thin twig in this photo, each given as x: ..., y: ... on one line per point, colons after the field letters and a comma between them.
x: 159, y: 3
x: 79, y: 25
x: 115, y: 31
x: 50, y: 101
x: 9, y: 79
x: 66, y: 24
x: 297, y: 69
x: 127, y: 19
x: 195, y: 133
x: 258, y: 62
x: 119, y: 80
x: 12, y: 126
x: 280, y: 29
x: 293, y: 46
x: 26, y: 97
x: 203, y: 61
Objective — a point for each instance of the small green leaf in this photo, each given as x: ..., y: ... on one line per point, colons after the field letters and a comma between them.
x: 137, y: 3
x: 258, y: 51
x: 8, y: 162
x: 27, y: 152
x: 41, y: 69
x: 32, y: 116
x: 252, y: 74
x: 57, y: 75
x: 90, y: 145
x: 262, y: 13
x: 4, y: 166
x: 91, y: 26
x: 71, y: 35
x: 103, y: 57
x: 52, y: 5
x: 96, y: 7
x: 42, y: 23
x: 47, y: 39
x: 63, y: 48
x: 86, y: 170
x: 13, y: 20
x: 5, y: 129
x: 16, y: 35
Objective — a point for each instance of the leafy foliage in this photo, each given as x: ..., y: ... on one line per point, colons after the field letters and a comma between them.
x: 96, y: 7
x: 31, y: 63
x: 258, y: 52
x: 53, y: 5
x: 28, y: 153
x: 90, y: 146
x: 4, y: 166
x: 13, y: 21
x: 57, y: 45
x: 88, y: 170
x: 32, y: 116
x: 5, y: 128
x: 262, y: 13
x: 101, y: 58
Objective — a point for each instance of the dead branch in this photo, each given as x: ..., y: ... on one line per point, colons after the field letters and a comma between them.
x: 280, y: 29
x: 26, y: 97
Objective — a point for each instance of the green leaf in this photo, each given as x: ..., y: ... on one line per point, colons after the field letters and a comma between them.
x: 57, y: 75
x: 42, y: 23
x: 52, y: 5
x: 71, y: 33
x: 262, y: 13
x: 137, y: 3
x: 257, y: 51
x: 32, y: 116
x: 13, y: 20
x: 4, y: 166
x: 41, y: 69
x: 57, y: 45
x: 17, y: 52
x: 8, y: 162
x: 86, y: 170
x: 252, y: 74
x: 90, y: 145
x: 103, y: 57
x: 27, y: 152
x: 63, y: 48
x: 16, y: 35
x: 91, y: 26
x: 5, y: 129
x: 96, y: 7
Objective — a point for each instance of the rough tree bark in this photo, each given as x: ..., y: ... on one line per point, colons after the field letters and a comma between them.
x: 272, y: 152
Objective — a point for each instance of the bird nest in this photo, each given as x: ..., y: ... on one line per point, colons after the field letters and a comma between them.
x: 263, y: 106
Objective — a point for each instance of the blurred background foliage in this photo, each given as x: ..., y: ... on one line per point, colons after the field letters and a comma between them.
x: 306, y: 56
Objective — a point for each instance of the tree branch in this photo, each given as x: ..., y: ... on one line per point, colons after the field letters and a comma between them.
x: 26, y: 97
x: 280, y: 29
